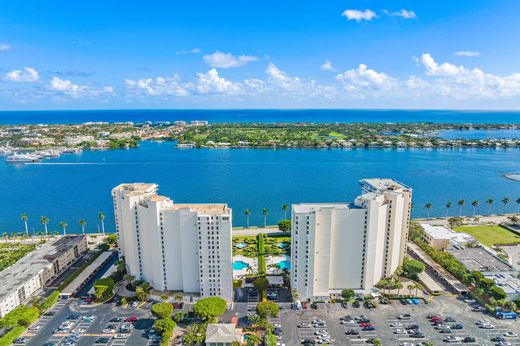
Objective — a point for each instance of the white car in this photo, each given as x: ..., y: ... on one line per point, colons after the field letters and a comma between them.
x: 79, y: 330
x: 36, y: 327
x: 452, y: 339
x: 510, y: 334
x: 400, y: 331
x: 121, y: 336
x: 396, y: 324
x: 487, y: 326
x: 470, y: 301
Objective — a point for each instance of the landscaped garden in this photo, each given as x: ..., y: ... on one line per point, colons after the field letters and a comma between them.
x: 274, y: 245
x: 10, y: 253
x: 490, y: 235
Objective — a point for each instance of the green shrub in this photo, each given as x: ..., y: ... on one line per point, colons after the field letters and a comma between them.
x: 162, y: 310
x: 210, y: 308
x: 11, y: 336
x: 50, y: 301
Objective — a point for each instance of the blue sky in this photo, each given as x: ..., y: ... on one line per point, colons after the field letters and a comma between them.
x: 259, y: 54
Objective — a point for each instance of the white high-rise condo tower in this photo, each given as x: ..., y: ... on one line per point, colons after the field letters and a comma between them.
x: 349, y: 245
x: 175, y: 247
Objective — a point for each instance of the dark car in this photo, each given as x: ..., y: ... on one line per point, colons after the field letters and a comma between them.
x: 368, y: 328
x: 308, y: 342
x: 404, y: 302
x: 344, y: 305
x: 102, y: 340
x: 352, y: 332
x: 50, y: 313
x: 369, y: 305
x: 469, y: 339
x: 356, y: 304
x: 498, y: 339
x: 363, y: 320
x: 449, y: 319
x: 457, y: 326
x: 73, y: 317
x: 417, y: 334
x: 116, y: 319
x: 412, y: 326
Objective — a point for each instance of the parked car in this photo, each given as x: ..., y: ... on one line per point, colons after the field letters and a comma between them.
x: 352, y: 332
x: 457, y: 326
x: 102, y: 340
x: 450, y: 338
x: 356, y: 305
x: 20, y: 341
x: 469, y: 339
x: 368, y: 328
x: 131, y: 319
x: 404, y: 317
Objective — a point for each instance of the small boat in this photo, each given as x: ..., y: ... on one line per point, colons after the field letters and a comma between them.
x: 24, y: 157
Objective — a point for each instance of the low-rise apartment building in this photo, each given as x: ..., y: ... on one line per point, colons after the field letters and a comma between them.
x: 36, y: 270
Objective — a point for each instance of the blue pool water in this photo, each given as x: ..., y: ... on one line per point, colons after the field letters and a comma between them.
x: 284, y: 264
x: 283, y: 245
x: 241, y: 245
x: 240, y: 265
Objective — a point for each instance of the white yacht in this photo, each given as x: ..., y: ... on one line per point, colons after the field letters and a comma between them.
x: 24, y: 157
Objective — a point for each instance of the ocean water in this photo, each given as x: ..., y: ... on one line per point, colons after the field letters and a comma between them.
x: 265, y: 116
x: 77, y: 186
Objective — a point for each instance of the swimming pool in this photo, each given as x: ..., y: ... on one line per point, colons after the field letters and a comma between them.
x: 240, y: 265
x: 284, y: 264
x: 241, y: 245
x: 283, y: 244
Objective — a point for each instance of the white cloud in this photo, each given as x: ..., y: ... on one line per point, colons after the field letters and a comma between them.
x: 467, y: 53
x: 327, y: 66
x: 66, y: 87
x: 158, y: 86
x: 363, y: 82
x: 228, y: 60
x: 406, y: 14
x: 358, y: 15
x: 28, y: 75
x: 4, y: 47
x: 211, y: 83
x: 434, y: 69
x: 189, y: 51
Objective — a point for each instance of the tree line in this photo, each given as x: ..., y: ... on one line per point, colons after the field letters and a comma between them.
x: 475, y: 204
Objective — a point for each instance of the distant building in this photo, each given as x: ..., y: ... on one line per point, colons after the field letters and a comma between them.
x: 508, y: 281
x: 223, y: 334
x: 439, y: 237
x: 33, y: 272
x: 175, y: 247
x: 199, y: 123
x: 341, y: 245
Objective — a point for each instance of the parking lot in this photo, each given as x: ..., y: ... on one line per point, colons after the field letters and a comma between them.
x: 392, y: 325
x: 71, y: 323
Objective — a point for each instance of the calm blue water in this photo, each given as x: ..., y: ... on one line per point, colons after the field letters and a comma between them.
x: 315, y: 115
x: 284, y: 264
x: 480, y: 134
x: 239, y: 265
x: 78, y: 186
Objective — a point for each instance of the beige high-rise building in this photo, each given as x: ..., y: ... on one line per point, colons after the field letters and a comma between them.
x: 349, y: 245
x: 175, y: 247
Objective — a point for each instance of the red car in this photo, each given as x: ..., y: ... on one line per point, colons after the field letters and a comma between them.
x: 366, y: 325
x: 436, y: 319
x: 89, y: 300
x: 131, y: 319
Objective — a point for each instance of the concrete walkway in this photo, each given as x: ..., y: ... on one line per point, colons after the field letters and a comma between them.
x: 256, y: 231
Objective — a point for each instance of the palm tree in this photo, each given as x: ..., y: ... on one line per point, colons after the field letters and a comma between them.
x: 248, y: 213
x: 518, y: 202
x: 417, y: 286
x: 101, y: 217
x: 254, y: 339
x: 265, y: 211
x: 461, y: 204
x: 489, y: 202
x: 505, y: 201
x: 428, y: 206
x: 6, y: 236
x: 285, y: 208
x: 475, y: 205
x: 63, y: 226
x: 24, y: 219
x: 410, y: 288
x: 82, y: 223
x: 45, y: 220
x: 448, y: 206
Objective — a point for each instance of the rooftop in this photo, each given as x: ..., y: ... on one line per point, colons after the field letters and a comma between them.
x: 32, y: 264
x: 216, y: 208
x: 223, y: 333
x: 441, y: 232
x: 509, y: 282
x: 382, y: 184
x: 478, y: 259
x: 86, y: 273
x: 310, y: 207
x: 137, y: 188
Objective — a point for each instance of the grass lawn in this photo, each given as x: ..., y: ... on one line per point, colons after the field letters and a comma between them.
x: 490, y: 234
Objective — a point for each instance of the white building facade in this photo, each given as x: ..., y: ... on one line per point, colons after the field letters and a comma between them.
x: 175, y: 247
x: 29, y: 275
x: 340, y: 245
